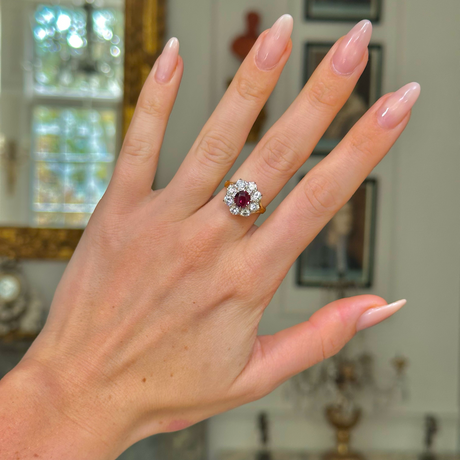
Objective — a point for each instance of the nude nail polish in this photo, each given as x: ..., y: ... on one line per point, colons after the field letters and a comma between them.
x: 274, y: 43
x: 167, y: 62
x: 376, y: 315
x: 398, y: 105
x: 352, y: 48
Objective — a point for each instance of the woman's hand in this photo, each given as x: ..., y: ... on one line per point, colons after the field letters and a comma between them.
x: 154, y: 324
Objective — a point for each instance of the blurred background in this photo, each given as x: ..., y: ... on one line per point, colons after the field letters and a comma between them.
x: 70, y: 73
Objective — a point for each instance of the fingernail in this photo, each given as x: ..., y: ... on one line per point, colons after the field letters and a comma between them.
x: 398, y: 105
x: 375, y: 315
x: 275, y: 42
x: 167, y: 62
x: 352, y: 48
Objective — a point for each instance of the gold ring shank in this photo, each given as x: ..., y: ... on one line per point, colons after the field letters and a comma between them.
x: 262, y: 208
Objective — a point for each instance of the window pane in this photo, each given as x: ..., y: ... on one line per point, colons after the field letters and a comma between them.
x: 75, y: 56
x: 74, y: 155
x: 50, y: 186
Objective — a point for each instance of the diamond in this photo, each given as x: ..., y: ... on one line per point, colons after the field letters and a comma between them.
x: 252, y: 186
x: 245, y: 213
x: 234, y: 210
x: 241, y: 184
x: 254, y: 207
x: 256, y: 196
x: 242, y: 199
x: 228, y: 200
x: 232, y: 189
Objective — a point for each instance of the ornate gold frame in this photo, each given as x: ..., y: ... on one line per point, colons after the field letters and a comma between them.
x: 144, y: 33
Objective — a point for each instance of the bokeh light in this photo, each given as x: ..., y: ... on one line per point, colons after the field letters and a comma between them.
x: 65, y: 64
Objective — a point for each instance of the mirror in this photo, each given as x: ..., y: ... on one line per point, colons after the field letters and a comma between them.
x: 70, y: 78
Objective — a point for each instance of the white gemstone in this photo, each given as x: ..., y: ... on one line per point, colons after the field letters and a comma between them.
x: 234, y: 210
x: 256, y: 196
x: 245, y: 213
x: 229, y: 200
x: 252, y: 186
x: 254, y: 207
x: 241, y: 184
x: 232, y: 190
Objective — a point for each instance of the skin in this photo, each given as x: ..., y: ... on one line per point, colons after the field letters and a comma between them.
x: 154, y: 324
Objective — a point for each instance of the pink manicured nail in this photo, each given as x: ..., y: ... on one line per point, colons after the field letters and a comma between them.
x: 375, y: 315
x: 398, y: 106
x: 275, y: 42
x: 352, y: 48
x: 167, y: 62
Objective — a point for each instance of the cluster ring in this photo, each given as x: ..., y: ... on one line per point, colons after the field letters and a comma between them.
x: 243, y: 198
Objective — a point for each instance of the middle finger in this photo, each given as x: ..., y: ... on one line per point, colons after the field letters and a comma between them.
x: 222, y: 138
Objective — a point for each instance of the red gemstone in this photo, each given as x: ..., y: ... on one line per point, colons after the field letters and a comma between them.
x: 242, y: 199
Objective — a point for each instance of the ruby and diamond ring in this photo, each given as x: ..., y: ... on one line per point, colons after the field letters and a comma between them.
x: 243, y: 198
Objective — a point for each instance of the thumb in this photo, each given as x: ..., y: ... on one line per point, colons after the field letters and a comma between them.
x: 278, y: 357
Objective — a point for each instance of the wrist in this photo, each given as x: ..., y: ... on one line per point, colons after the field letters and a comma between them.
x: 39, y: 419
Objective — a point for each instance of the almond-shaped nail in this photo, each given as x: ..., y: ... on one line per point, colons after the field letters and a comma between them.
x: 398, y: 105
x: 274, y: 43
x: 352, y: 48
x: 167, y: 62
x: 376, y: 315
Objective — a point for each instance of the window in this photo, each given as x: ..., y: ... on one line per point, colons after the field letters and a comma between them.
x: 77, y: 83
x: 78, y: 56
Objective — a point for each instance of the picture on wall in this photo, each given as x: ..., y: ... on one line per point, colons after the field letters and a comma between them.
x: 366, y: 92
x: 344, y: 250
x: 343, y: 10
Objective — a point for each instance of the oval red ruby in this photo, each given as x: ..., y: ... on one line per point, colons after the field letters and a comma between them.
x: 242, y: 199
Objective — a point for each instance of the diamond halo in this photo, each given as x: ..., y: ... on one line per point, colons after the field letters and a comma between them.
x: 243, y: 198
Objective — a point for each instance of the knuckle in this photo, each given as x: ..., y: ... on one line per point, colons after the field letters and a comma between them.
x: 361, y: 144
x: 329, y: 345
x: 278, y: 155
x: 137, y: 149
x: 322, y: 96
x: 249, y: 90
x: 216, y: 148
x: 151, y: 105
x: 320, y: 193
x: 199, y: 244
x: 109, y: 238
x: 246, y: 278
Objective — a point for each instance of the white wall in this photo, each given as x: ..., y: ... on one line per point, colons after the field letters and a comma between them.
x: 418, y: 245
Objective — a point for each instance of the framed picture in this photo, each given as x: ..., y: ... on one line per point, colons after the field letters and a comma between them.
x: 343, y: 252
x: 343, y: 10
x: 366, y: 92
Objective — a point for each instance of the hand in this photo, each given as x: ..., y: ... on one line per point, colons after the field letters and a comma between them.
x: 154, y: 324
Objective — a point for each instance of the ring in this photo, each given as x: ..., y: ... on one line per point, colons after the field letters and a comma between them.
x: 243, y: 198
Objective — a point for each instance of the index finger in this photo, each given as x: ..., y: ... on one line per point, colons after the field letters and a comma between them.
x: 136, y: 166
